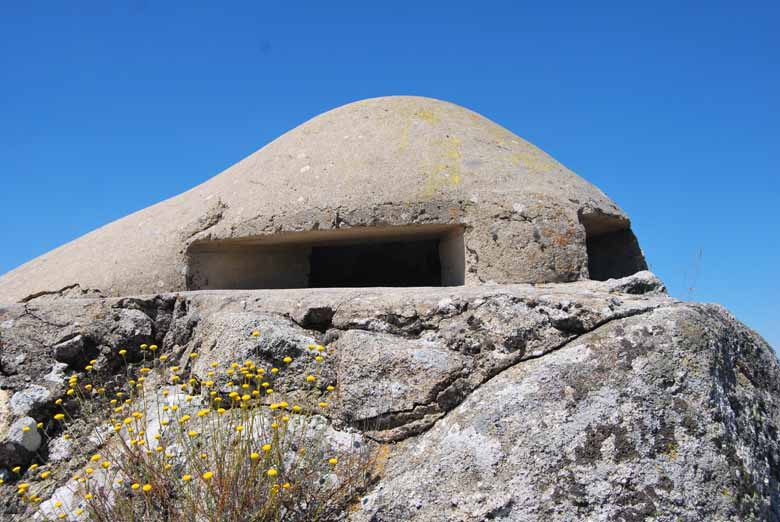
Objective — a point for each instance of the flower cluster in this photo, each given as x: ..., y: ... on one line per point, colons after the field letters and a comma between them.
x: 226, y: 446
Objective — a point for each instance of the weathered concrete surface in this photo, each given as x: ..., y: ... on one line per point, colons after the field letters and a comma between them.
x: 580, y: 401
x: 378, y: 163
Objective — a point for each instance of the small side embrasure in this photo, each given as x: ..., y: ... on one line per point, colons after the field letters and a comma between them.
x: 613, y: 249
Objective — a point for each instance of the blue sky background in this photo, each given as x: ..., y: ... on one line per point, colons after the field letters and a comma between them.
x: 672, y: 110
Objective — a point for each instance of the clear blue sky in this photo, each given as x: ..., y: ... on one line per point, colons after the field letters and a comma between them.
x: 108, y: 107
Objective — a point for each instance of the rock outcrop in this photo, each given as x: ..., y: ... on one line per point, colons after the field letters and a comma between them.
x: 580, y: 401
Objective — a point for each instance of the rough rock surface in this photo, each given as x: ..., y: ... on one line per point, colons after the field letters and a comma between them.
x: 579, y: 401
x: 670, y: 415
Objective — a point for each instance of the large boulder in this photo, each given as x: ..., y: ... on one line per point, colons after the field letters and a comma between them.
x: 670, y: 415
x: 579, y: 401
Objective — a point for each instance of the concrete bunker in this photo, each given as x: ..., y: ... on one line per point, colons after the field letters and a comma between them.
x: 613, y: 250
x: 375, y: 193
x: 401, y: 256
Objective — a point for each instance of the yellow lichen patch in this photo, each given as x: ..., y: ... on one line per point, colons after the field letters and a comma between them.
x: 671, y: 451
x: 404, y: 137
x: 446, y: 172
x: 427, y: 115
x: 500, y: 134
x: 533, y: 160
x: 743, y: 380
x: 411, y: 113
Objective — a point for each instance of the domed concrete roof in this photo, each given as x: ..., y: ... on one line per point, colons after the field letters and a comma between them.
x: 395, y: 169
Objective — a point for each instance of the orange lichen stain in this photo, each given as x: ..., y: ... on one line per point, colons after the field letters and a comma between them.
x: 377, y: 464
x: 379, y: 461
x: 566, y: 238
x: 557, y: 238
